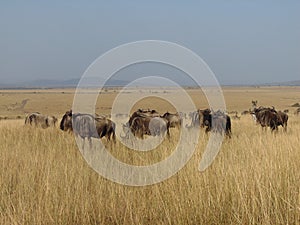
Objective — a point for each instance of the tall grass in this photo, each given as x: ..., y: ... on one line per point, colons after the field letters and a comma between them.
x: 255, y: 179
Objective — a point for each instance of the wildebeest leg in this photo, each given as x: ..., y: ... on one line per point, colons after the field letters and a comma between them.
x: 168, y: 133
x: 207, y: 129
x: 90, y: 142
x: 47, y: 122
x: 228, y: 133
x: 263, y: 127
x: 285, y: 127
x: 114, y: 136
x: 273, y: 126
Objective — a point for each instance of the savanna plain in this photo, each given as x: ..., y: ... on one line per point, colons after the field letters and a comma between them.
x: 254, y: 179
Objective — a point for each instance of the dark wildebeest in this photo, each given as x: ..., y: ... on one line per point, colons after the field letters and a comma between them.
x: 66, y: 122
x: 197, y: 117
x: 152, y: 126
x: 217, y: 122
x: 266, y: 117
x: 88, y: 126
x: 221, y: 123
x: 143, y: 113
x: 269, y: 117
x: 297, y: 112
x: 173, y: 118
x: 146, y: 122
x: 39, y: 120
x: 213, y: 121
x: 282, y: 119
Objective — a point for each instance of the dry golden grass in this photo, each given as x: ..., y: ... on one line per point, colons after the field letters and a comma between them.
x: 255, y: 178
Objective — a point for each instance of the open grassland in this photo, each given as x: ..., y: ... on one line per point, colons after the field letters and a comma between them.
x: 255, y: 178
x: 58, y: 101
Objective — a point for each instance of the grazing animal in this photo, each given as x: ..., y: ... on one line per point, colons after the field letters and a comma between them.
x: 174, y: 119
x: 236, y: 117
x: 221, y: 123
x: 254, y: 104
x: 269, y: 117
x: 205, y: 118
x: 245, y: 112
x: 217, y: 122
x: 143, y: 113
x: 106, y: 127
x: 195, y: 119
x: 282, y: 120
x: 88, y: 126
x: 39, y: 120
x: 198, y: 116
x: 152, y: 126
x: 297, y: 112
x: 66, y: 122
x: 146, y: 122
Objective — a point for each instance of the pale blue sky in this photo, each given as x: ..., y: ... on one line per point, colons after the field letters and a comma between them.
x: 243, y: 41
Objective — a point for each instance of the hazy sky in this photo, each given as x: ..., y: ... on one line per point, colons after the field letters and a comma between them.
x: 243, y: 41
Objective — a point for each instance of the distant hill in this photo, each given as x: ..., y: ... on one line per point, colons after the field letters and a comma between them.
x: 48, y: 83
x: 287, y: 83
x: 72, y: 83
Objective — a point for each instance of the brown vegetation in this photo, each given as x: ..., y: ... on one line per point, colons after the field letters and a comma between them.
x: 255, y: 178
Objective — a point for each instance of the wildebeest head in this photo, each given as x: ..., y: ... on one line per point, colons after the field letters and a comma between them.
x: 206, y: 118
x: 66, y: 122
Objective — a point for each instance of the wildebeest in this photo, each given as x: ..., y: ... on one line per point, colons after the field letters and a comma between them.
x: 39, y: 120
x: 146, y: 122
x: 143, y: 113
x: 269, y: 117
x: 245, y: 112
x: 212, y: 121
x: 66, y: 122
x: 195, y: 120
x: 88, y: 126
x: 197, y: 117
x: 205, y: 118
x: 282, y: 119
x: 153, y: 126
x: 217, y: 122
x: 266, y: 118
x: 236, y: 117
x: 254, y: 104
x: 173, y: 118
x: 297, y: 112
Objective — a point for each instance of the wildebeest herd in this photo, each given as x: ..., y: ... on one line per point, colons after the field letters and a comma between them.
x: 269, y: 117
x: 151, y: 123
